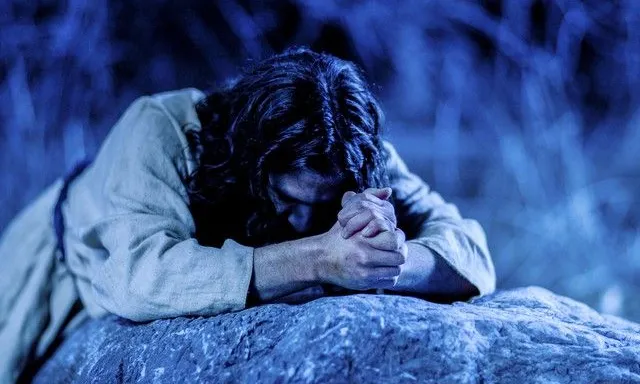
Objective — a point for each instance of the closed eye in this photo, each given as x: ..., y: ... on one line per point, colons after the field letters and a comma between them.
x: 287, y: 199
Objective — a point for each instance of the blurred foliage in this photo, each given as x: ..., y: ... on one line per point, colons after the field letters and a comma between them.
x: 522, y: 112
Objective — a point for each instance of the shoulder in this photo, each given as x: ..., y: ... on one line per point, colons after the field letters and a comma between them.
x: 157, y: 124
x: 394, y: 163
x: 403, y: 182
x: 179, y: 107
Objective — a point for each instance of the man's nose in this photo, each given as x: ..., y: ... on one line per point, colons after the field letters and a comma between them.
x: 300, y: 219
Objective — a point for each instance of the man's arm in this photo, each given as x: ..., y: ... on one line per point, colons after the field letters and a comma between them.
x: 370, y: 213
x: 426, y: 273
x: 356, y: 263
x: 448, y: 258
x: 284, y: 268
x: 455, y: 246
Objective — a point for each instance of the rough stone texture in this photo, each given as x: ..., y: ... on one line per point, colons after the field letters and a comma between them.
x: 527, y: 335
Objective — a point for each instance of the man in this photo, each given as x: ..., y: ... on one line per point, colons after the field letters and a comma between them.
x: 275, y: 183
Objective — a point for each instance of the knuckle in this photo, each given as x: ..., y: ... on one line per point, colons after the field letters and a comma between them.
x: 398, y: 241
x: 402, y: 257
x: 347, y: 198
x: 388, y: 241
x: 350, y: 225
x: 390, y: 213
x: 376, y: 215
x: 374, y: 225
x: 348, y: 195
x: 361, y: 204
x: 364, y: 274
x: 366, y: 204
x: 360, y: 257
x: 382, y: 224
x: 404, y: 254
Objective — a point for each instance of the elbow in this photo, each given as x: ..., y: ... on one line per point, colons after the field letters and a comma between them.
x: 492, y: 280
x: 122, y: 303
x: 132, y: 300
x: 480, y: 257
x: 462, y: 245
x: 485, y: 276
x: 127, y: 297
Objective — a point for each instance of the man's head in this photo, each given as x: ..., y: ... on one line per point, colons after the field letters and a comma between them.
x: 306, y: 199
x: 293, y: 133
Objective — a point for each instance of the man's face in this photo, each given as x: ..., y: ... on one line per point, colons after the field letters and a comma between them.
x: 307, y: 200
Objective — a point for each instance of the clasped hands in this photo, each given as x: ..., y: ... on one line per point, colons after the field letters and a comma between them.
x: 365, y: 249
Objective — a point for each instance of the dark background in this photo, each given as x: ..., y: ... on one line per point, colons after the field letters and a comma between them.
x: 522, y: 112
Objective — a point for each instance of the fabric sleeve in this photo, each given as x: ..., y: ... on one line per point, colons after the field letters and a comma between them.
x: 153, y: 267
x: 430, y: 221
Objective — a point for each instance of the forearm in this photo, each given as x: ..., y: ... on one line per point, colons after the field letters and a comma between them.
x: 283, y: 268
x: 427, y: 273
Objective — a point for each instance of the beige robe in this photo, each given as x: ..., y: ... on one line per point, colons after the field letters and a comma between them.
x: 130, y: 238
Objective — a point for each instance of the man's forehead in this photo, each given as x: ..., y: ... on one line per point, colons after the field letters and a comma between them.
x: 307, y: 186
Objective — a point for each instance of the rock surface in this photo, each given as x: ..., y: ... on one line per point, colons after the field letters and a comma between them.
x: 526, y: 335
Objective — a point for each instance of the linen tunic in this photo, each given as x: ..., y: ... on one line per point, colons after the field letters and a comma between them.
x: 130, y: 245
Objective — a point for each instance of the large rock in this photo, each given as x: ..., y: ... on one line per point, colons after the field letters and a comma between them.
x: 523, y: 335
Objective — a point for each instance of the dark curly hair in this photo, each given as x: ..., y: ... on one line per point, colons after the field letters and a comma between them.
x: 296, y: 110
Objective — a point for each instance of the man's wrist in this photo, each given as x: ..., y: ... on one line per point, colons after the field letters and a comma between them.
x: 283, y: 268
x: 417, y: 269
x: 314, y: 251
